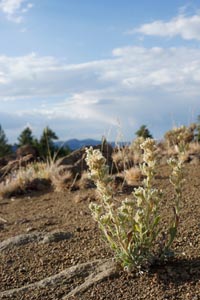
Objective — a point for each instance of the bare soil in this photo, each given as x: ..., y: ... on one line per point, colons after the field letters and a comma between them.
x: 59, y: 236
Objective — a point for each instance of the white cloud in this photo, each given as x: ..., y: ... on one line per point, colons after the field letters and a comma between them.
x: 137, y: 85
x: 188, y: 27
x: 14, y: 9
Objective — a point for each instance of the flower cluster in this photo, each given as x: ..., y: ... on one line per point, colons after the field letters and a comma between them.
x: 99, y: 172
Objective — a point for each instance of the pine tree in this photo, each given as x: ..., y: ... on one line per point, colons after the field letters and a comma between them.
x: 5, y: 148
x: 26, y: 137
x: 144, y: 132
x: 46, y: 144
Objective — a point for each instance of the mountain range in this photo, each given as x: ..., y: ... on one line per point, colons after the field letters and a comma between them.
x: 74, y: 144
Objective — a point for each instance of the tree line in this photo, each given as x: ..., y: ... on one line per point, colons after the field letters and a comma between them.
x: 45, y: 145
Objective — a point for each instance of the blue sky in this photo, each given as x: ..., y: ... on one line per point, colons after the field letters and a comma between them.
x: 88, y: 68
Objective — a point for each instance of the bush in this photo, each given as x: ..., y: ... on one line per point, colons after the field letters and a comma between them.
x: 21, y: 180
x: 180, y: 137
x: 133, y: 229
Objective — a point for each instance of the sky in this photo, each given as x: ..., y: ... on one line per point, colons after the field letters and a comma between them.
x: 91, y: 68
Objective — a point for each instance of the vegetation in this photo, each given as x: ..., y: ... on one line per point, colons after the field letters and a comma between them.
x: 133, y: 229
x: 21, y: 180
x: 26, y: 138
x: 180, y: 137
x: 45, y: 145
x: 35, y: 175
x: 144, y: 132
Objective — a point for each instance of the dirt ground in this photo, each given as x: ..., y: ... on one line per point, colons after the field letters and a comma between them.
x: 58, y: 233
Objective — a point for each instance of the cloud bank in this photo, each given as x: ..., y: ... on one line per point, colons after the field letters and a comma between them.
x: 136, y: 85
x: 187, y: 27
x: 15, y: 9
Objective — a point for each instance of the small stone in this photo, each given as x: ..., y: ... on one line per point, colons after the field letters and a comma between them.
x: 10, y: 262
x: 30, y: 229
x: 2, y: 226
x: 22, y: 270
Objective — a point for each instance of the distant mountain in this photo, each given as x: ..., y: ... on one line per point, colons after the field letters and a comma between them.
x: 74, y: 144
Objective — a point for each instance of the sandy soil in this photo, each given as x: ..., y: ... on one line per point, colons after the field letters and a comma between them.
x: 40, y: 255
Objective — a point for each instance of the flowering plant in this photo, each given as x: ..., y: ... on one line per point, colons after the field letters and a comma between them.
x: 133, y: 228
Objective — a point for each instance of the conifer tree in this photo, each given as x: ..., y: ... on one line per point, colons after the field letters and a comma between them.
x: 26, y: 137
x: 144, y: 132
x: 46, y: 144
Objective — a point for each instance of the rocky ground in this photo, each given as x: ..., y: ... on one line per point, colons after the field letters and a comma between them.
x: 50, y: 248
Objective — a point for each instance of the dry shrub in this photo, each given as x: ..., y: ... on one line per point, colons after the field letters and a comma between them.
x: 33, y: 176
x: 132, y: 175
x: 60, y: 178
x: 20, y: 180
x: 123, y: 158
x: 136, y: 150
x: 194, y: 148
x: 85, y: 182
x: 180, y: 137
x: 128, y: 156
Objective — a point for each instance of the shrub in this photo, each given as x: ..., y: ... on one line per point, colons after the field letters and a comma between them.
x: 123, y: 158
x: 136, y: 149
x: 60, y: 177
x: 20, y: 180
x: 132, y: 175
x: 180, y: 137
x: 133, y: 229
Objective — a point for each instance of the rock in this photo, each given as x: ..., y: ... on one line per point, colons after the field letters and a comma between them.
x: 27, y: 150
x: 19, y: 240
x: 56, y: 237
x: 39, y: 184
x: 102, y: 271
x: 14, y: 165
x: 24, y: 155
x: 72, y: 158
x: 5, y: 160
x: 24, y: 239
x: 75, y: 161
x: 93, y: 272
x: 2, y: 226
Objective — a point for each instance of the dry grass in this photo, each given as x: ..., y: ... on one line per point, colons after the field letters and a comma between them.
x: 60, y: 178
x: 194, y: 148
x: 180, y: 137
x: 85, y: 182
x: 19, y: 180
x: 132, y: 175
x: 136, y: 150
x: 123, y: 158
x: 28, y: 177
